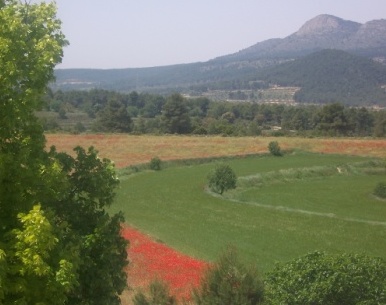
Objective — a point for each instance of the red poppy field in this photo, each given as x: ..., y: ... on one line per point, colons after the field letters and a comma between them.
x: 150, y: 260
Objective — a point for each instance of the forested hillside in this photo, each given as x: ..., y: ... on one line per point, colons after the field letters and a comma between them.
x: 332, y: 76
x: 164, y: 79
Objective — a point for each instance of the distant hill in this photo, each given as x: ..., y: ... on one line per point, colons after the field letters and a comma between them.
x: 238, y: 70
x: 332, y: 76
x: 321, y: 32
x: 156, y: 79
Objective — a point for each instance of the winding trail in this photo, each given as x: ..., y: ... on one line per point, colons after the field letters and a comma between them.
x: 300, y: 211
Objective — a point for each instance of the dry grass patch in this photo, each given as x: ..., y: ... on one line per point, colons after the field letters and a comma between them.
x: 127, y: 150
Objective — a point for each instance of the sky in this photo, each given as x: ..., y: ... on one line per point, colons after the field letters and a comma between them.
x: 108, y: 34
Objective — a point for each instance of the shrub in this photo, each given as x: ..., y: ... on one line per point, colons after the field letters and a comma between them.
x: 275, y: 149
x: 79, y: 128
x: 158, y: 295
x: 155, y: 164
x: 62, y: 114
x: 229, y: 281
x: 200, y: 130
x: 380, y: 190
x: 222, y: 178
x: 319, y: 279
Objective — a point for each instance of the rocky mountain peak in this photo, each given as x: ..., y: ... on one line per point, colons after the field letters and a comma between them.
x: 327, y: 24
x: 321, y: 32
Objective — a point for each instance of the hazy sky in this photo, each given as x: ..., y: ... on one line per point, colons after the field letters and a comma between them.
x: 145, y: 33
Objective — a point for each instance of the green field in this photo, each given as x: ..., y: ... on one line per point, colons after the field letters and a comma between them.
x: 277, y: 220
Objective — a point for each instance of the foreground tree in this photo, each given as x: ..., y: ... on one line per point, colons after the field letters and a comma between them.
x: 319, y: 278
x: 90, y: 189
x: 57, y: 243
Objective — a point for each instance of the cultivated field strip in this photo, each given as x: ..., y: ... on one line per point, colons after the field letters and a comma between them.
x: 126, y: 150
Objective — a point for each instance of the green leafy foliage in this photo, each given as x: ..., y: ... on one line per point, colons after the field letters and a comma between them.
x: 229, y: 282
x: 91, y: 183
x: 380, y: 190
x: 319, y: 278
x: 274, y: 149
x: 30, y: 46
x: 114, y: 118
x: 222, y: 178
x: 155, y: 164
x: 332, y: 120
x: 36, y: 267
x: 58, y: 245
x: 175, y: 116
x: 34, y: 242
x: 158, y: 295
x: 79, y: 128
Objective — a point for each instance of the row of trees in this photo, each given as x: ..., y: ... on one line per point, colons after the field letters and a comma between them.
x: 58, y: 245
x: 147, y: 113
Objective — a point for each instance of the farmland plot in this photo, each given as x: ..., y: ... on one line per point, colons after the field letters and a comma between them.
x: 127, y: 150
x: 341, y: 215
x: 337, y: 213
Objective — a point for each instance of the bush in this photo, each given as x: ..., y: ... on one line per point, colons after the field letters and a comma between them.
x: 79, y: 128
x: 380, y: 190
x: 319, y: 279
x: 275, y: 149
x: 158, y: 295
x: 222, y: 178
x: 62, y: 114
x: 155, y: 164
x: 229, y: 281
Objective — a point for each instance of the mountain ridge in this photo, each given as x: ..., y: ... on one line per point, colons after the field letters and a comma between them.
x: 327, y: 23
x: 319, y: 33
x: 322, y: 32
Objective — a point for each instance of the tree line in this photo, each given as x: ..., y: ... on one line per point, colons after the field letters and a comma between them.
x: 143, y: 113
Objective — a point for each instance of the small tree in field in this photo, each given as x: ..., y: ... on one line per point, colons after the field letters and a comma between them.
x: 222, y: 178
x: 275, y: 149
x: 155, y: 164
x: 231, y: 282
x: 380, y: 190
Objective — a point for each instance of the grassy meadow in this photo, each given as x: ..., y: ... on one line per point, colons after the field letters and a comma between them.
x: 274, y: 222
x: 276, y: 219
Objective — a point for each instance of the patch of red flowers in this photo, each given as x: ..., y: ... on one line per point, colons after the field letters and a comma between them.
x: 150, y: 260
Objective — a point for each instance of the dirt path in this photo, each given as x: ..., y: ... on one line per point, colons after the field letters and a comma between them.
x: 328, y: 215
